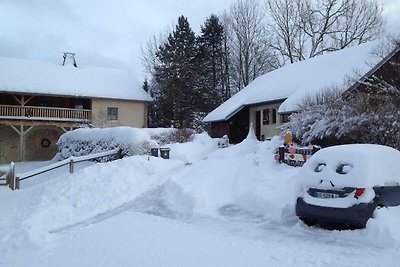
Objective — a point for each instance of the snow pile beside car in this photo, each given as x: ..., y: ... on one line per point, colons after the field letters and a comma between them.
x: 198, y: 149
x: 242, y: 177
x: 84, y: 141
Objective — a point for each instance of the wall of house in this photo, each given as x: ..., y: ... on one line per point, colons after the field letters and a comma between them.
x: 130, y: 113
x: 9, y: 145
x: 219, y: 129
x: 40, y: 143
x: 270, y: 129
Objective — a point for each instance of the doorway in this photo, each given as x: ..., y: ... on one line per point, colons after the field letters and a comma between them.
x: 258, y: 125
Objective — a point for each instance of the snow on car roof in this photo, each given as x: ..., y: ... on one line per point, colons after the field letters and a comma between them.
x: 39, y: 77
x: 294, y: 81
x: 369, y: 165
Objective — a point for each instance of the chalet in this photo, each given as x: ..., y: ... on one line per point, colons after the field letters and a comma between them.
x: 267, y: 102
x: 40, y: 100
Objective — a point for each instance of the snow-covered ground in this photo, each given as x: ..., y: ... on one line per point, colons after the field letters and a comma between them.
x: 203, y: 207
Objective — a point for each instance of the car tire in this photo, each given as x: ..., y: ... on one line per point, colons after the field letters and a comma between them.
x: 309, y: 221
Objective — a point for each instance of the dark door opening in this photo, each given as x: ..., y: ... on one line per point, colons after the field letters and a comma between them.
x: 258, y: 125
x: 239, y: 126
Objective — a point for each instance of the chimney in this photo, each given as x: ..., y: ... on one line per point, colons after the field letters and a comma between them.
x: 69, y: 59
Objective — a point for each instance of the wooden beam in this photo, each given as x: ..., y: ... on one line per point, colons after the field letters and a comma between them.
x: 17, y: 99
x: 59, y: 124
x: 15, y: 129
x: 22, y: 144
x: 24, y: 102
x: 25, y: 132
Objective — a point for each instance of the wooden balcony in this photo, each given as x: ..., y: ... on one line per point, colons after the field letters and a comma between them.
x: 8, y: 112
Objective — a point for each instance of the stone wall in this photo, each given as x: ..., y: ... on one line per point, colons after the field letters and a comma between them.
x: 9, y: 145
x: 40, y: 143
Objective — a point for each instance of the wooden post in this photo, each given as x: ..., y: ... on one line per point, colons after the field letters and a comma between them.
x: 17, y: 182
x: 71, y: 165
x: 10, y: 178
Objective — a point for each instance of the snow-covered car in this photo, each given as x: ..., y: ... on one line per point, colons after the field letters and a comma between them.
x: 345, y: 184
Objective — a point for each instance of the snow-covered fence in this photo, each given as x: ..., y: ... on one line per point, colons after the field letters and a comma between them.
x: 7, y: 175
x: 16, y: 178
x: 295, y: 156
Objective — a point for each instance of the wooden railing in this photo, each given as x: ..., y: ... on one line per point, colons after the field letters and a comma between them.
x: 13, y: 180
x: 44, y: 113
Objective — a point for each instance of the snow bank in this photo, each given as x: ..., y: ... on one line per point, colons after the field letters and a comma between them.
x: 244, y: 176
x: 94, y: 191
x: 196, y: 150
x: 84, y: 141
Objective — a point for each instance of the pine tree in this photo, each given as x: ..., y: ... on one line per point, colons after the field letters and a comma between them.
x: 211, y: 62
x: 176, y: 76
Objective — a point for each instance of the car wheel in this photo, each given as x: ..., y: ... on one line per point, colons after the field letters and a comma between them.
x: 309, y: 221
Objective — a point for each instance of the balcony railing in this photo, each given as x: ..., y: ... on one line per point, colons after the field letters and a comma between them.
x: 44, y: 113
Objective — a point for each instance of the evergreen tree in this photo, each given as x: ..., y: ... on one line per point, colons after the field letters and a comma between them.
x: 211, y: 62
x: 145, y: 85
x: 176, y: 76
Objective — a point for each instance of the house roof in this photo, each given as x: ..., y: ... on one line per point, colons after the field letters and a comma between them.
x: 294, y: 82
x: 47, y: 78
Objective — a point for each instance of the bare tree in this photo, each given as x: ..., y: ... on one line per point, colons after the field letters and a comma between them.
x: 149, y: 51
x: 307, y: 28
x: 284, y: 22
x: 250, y: 54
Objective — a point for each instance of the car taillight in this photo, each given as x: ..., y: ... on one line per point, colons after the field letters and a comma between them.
x: 359, y: 192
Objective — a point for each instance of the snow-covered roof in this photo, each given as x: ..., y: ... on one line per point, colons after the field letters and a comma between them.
x: 47, y: 78
x: 293, y: 82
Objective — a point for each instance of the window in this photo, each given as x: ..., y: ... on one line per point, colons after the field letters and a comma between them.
x: 112, y: 114
x: 266, y: 116
x: 274, y: 116
x: 285, y: 118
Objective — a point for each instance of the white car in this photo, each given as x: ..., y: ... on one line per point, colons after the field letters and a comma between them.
x: 345, y: 184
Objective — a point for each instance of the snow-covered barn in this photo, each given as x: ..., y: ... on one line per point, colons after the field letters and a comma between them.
x: 267, y: 102
x: 41, y: 100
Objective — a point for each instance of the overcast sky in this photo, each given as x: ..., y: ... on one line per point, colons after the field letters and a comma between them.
x: 105, y: 33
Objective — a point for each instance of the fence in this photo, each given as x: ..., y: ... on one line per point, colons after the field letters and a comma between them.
x: 13, y: 180
x: 295, y: 156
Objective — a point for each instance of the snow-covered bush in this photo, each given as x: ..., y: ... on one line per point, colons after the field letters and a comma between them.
x: 85, y: 141
x: 165, y: 136
x: 362, y: 117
